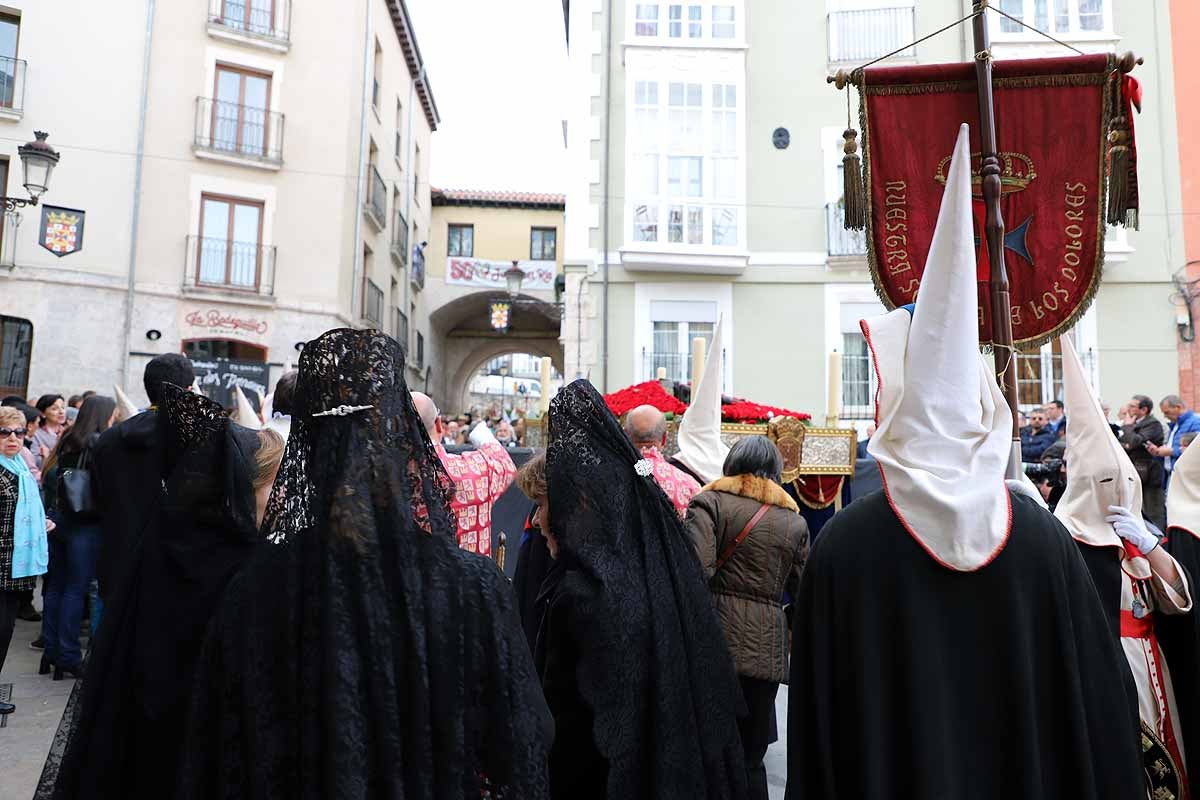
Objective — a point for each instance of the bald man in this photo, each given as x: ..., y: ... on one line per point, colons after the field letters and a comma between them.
x: 646, y: 427
x: 480, y: 477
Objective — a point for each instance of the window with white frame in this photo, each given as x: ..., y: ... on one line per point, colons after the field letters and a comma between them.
x: 684, y: 22
x: 685, y: 172
x: 1059, y: 17
x: 859, y: 380
x: 674, y: 324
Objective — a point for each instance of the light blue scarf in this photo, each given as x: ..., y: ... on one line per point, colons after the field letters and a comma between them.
x: 31, y: 554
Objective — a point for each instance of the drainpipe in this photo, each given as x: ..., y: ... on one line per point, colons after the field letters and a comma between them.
x: 409, y: 192
x: 356, y: 255
x: 608, y: 48
x: 135, y: 211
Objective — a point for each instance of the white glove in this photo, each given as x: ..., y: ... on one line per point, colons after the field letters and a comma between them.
x: 1026, y: 488
x: 481, y: 434
x: 1131, y: 528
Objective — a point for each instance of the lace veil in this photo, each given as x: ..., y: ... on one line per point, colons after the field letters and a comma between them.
x: 654, y: 666
x: 362, y: 654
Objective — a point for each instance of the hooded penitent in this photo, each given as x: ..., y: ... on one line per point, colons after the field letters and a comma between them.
x: 125, y: 406
x: 1100, y: 472
x: 700, y: 447
x: 944, y: 430
x: 244, y: 413
x: 1183, y: 503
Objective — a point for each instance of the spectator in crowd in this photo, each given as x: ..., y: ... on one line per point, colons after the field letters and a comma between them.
x: 505, y: 434
x: 1036, y: 437
x: 1182, y: 420
x: 33, y: 420
x: 75, y: 545
x: 450, y: 432
x: 480, y: 477
x: 266, y: 462
x: 54, y: 419
x: 1054, y: 415
x: 23, y: 527
x: 278, y: 412
x: 1116, y: 429
x: 646, y: 427
x: 75, y: 401
x: 128, y: 469
x: 1140, y: 433
x: 752, y: 544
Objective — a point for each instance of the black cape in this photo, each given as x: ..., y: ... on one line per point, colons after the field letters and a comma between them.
x: 1179, y: 636
x: 121, y: 733
x: 910, y: 680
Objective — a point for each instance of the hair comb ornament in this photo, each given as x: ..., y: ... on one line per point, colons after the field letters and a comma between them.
x: 341, y: 411
x: 644, y: 468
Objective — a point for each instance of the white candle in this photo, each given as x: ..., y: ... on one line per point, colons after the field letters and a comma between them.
x: 697, y: 363
x: 661, y: 374
x: 833, y: 406
x: 544, y: 401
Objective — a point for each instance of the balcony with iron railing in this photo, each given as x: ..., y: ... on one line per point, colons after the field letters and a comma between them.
x: 13, y: 72
x: 399, y: 246
x: 372, y: 312
x: 221, y: 264
x: 238, y: 134
x: 400, y: 325
x: 866, y: 34
x: 375, y: 204
x: 263, y: 23
x: 841, y: 242
x: 678, y: 366
x: 417, y: 274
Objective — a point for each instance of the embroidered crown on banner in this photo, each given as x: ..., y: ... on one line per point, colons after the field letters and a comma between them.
x: 1016, y: 174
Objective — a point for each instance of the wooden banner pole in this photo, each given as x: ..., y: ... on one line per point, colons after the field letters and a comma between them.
x: 1002, y: 338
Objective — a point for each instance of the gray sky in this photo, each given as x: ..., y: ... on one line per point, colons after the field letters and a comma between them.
x: 497, y: 70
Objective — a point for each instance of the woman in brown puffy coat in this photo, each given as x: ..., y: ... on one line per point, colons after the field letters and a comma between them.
x: 752, y: 543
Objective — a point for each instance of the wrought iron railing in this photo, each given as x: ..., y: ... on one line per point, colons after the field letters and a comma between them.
x: 858, y: 387
x: 399, y: 246
x: 372, y: 303
x: 376, y: 202
x: 238, y: 130
x: 842, y: 242
x: 400, y: 325
x: 12, y: 83
x: 225, y: 264
x: 677, y: 365
x: 269, y: 19
x: 863, y: 35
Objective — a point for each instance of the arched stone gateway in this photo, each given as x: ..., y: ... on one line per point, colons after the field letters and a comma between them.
x: 465, y: 340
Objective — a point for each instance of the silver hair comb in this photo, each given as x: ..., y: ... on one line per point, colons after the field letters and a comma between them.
x: 341, y: 411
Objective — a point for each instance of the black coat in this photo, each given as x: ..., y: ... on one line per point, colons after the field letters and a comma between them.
x: 1034, y: 443
x: 1179, y: 635
x: 1134, y: 439
x: 911, y: 680
x: 577, y: 769
x: 128, y: 462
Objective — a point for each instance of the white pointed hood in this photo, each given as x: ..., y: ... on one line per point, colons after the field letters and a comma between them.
x: 1099, y: 471
x: 944, y: 430
x: 125, y: 406
x: 1183, y: 501
x: 244, y: 413
x: 700, y: 447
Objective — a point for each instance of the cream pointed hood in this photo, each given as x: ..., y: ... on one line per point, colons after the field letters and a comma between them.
x: 244, y: 414
x: 700, y: 447
x: 1099, y: 472
x: 125, y: 406
x: 1183, y: 501
x: 944, y: 430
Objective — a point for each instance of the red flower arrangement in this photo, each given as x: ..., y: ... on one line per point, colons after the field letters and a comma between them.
x: 650, y: 393
x: 747, y: 412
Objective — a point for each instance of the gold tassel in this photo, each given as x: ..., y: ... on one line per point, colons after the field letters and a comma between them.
x: 1120, y: 167
x: 854, y: 192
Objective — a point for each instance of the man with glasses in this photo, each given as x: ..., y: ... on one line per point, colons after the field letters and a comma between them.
x: 1036, y: 437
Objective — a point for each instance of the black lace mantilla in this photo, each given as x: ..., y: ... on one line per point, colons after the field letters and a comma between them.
x: 654, y: 665
x: 363, y: 654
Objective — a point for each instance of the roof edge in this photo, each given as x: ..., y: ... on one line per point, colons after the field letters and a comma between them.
x: 412, y: 56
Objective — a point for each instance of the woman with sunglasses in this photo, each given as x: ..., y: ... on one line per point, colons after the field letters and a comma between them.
x: 23, y: 527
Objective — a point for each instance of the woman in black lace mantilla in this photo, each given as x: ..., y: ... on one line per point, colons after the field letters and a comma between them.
x: 361, y: 654
x: 631, y: 656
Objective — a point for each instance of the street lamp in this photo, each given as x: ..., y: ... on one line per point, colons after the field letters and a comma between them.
x: 37, y: 160
x: 512, y: 279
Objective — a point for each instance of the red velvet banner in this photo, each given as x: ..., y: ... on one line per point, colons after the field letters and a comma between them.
x: 1052, y: 118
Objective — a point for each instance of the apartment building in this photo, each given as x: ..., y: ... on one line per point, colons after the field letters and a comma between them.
x: 705, y: 154
x: 254, y: 176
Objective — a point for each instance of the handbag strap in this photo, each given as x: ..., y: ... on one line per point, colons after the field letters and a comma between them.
x: 758, y: 515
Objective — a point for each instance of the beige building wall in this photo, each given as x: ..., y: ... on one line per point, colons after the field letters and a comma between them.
x: 787, y: 292
x: 340, y: 86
